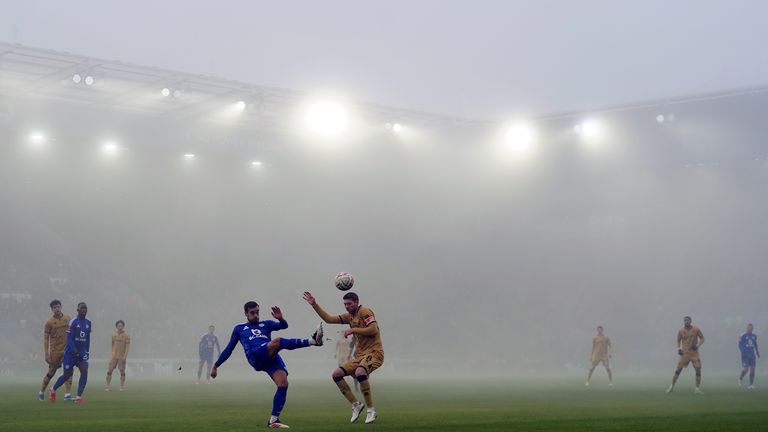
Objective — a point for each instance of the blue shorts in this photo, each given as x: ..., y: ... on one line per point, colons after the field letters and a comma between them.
x: 261, y: 361
x: 748, y: 360
x: 205, y: 357
x: 70, y: 361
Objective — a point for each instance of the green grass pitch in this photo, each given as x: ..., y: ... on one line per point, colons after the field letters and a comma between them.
x: 423, y: 405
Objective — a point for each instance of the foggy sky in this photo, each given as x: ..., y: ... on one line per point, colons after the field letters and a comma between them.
x: 486, y: 59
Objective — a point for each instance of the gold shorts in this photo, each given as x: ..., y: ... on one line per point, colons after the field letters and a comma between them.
x: 56, y: 360
x: 597, y: 360
x: 686, y: 358
x: 370, y: 362
x: 115, y: 362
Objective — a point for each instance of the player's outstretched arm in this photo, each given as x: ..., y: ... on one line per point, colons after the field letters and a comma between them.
x: 325, y: 316
x: 226, y: 353
x: 370, y: 330
x: 277, y: 314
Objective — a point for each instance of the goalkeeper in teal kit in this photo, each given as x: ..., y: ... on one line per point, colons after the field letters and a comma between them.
x: 262, y: 351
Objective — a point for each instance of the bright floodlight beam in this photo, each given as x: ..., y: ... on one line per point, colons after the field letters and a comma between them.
x: 36, y: 138
x: 89, y: 80
x: 165, y: 92
x: 189, y: 156
x: 397, y: 127
x: 76, y: 78
x: 256, y: 163
x: 240, y: 105
x: 327, y: 118
x: 110, y: 148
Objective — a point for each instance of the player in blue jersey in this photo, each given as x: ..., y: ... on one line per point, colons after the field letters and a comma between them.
x: 262, y: 351
x: 76, y: 353
x: 749, y: 355
x: 205, y: 351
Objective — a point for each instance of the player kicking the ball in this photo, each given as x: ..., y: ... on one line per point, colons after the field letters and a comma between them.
x: 369, y: 353
x: 262, y: 352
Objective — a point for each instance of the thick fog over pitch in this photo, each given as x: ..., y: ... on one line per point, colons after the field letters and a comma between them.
x: 475, y: 258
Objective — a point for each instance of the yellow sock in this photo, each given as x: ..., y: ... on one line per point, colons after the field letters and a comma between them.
x: 365, y: 387
x: 46, y: 380
x: 346, y: 391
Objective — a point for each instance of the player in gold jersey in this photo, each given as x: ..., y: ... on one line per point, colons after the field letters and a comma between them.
x: 689, y: 340
x: 369, y: 352
x: 121, y: 343
x: 601, y: 353
x: 54, y: 341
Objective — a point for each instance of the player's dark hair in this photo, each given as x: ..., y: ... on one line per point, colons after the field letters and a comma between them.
x: 119, y: 322
x: 81, y: 304
x: 750, y: 324
x: 351, y: 296
x: 687, y: 317
x: 600, y: 327
x: 250, y: 305
x: 55, y: 302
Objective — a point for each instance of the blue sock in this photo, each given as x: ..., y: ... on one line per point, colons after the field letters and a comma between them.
x: 741, y: 377
x: 82, y: 382
x: 278, y: 402
x: 292, y: 344
x: 59, y: 382
x: 751, y: 378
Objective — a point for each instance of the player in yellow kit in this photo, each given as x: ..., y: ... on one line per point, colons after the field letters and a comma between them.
x: 601, y: 353
x: 689, y: 340
x: 121, y: 343
x: 369, y: 352
x: 54, y: 341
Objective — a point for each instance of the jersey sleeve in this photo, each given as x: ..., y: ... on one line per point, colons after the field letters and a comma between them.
x: 277, y: 325
x: 367, y: 317
x: 228, y: 349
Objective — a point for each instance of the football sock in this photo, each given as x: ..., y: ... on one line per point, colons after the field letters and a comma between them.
x: 365, y: 387
x: 741, y: 377
x: 751, y: 377
x: 610, y: 375
x: 109, y: 378
x: 292, y: 344
x: 345, y: 390
x: 278, y: 402
x: 60, y: 381
x: 82, y: 382
x: 46, y: 380
x: 122, y: 379
x: 68, y: 386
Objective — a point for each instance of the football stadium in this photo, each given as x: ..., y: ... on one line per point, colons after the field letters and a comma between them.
x: 324, y: 216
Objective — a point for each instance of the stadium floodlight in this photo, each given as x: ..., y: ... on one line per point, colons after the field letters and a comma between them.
x: 110, y: 148
x: 89, y: 80
x: 189, y: 156
x: 589, y: 129
x: 326, y: 118
x: 76, y: 78
x: 165, y: 92
x: 660, y: 118
x: 240, y: 105
x: 397, y: 127
x: 177, y: 93
x: 37, y: 138
x: 520, y: 136
x: 256, y: 163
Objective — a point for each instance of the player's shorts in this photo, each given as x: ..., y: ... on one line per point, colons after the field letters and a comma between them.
x: 206, y: 357
x: 70, y: 361
x: 693, y: 358
x: 114, y: 362
x: 597, y: 360
x: 260, y: 360
x: 748, y: 361
x: 56, y: 360
x: 369, y: 361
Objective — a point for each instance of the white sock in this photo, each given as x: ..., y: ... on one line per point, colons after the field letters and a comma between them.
x: 273, y: 419
x: 372, y: 409
x: 312, y: 341
x: 67, y: 394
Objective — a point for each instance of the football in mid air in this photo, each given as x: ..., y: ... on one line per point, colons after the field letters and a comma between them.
x: 344, y: 281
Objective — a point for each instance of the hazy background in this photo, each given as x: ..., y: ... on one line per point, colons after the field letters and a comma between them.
x: 472, y: 262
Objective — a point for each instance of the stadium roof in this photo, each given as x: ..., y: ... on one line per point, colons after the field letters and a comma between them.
x: 47, y: 74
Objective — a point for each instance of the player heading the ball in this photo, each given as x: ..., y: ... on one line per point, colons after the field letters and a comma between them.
x: 369, y: 352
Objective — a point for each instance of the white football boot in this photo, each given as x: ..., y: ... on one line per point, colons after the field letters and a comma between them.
x: 357, y: 408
